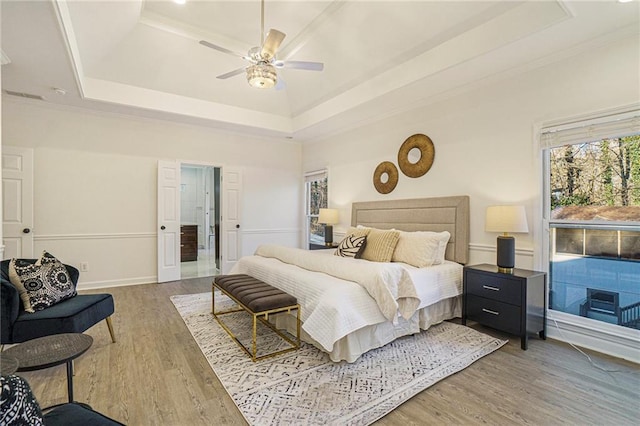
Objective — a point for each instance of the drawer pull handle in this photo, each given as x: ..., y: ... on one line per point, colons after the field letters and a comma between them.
x: 181, y: 245
x: 489, y: 311
x: 488, y: 287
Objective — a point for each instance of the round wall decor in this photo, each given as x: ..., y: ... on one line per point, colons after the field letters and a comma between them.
x: 427, y: 152
x: 385, y: 177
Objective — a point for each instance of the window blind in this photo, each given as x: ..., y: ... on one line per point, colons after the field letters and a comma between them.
x: 604, y: 127
x: 316, y: 175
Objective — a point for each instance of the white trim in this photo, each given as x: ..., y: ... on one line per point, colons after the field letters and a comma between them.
x: 62, y: 237
x: 271, y: 231
x: 621, y: 342
x: 93, y: 285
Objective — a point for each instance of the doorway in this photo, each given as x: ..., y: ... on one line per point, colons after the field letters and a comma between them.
x: 199, y: 221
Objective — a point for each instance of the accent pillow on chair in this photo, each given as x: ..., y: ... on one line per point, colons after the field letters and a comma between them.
x: 42, y: 284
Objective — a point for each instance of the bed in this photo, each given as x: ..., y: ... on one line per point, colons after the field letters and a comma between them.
x: 341, y: 315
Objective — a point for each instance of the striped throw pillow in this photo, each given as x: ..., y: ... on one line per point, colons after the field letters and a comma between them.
x: 380, y: 245
x: 351, y: 246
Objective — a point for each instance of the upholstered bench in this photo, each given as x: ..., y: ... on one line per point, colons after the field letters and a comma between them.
x: 260, y: 300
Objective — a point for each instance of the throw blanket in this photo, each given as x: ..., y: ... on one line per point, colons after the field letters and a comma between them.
x: 390, y: 285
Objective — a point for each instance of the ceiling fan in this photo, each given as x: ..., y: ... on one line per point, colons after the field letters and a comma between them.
x: 261, y: 72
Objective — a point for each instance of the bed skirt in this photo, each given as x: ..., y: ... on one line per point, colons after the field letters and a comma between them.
x: 350, y: 347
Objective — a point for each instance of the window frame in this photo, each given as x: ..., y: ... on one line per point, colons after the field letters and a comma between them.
x: 309, y: 177
x: 601, y: 336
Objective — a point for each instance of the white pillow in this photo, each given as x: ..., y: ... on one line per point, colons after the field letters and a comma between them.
x: 421, y: 248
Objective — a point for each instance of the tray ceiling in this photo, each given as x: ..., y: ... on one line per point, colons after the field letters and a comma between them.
x: 143, y: 57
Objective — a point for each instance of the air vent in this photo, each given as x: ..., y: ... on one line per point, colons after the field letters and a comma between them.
x: 24, y: 95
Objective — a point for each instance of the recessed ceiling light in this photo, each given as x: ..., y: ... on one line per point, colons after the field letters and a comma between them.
x: 180, y: 1
x: 625, y: 1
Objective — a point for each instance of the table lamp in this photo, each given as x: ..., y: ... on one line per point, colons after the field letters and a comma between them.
x: 328, y: 217
x: 506, y: 219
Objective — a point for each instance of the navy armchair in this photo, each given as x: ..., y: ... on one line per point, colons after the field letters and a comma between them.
x: 74, y: 315
x: 19, y: 407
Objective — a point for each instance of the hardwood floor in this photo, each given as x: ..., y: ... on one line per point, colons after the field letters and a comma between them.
x: 156, y: 375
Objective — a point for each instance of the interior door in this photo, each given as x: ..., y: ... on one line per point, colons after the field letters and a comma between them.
x: 17, y: 202
x: 168, y: 221
x: 231, y: 210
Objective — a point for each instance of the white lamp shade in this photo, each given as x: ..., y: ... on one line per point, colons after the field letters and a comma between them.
x: 508, y: 219
x: 328, y: 216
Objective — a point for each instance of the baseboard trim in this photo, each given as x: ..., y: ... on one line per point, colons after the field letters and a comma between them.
x: 620, y: 342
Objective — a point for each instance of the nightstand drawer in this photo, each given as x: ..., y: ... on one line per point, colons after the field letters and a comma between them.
x: 492, y: 313
x: 501, y: 289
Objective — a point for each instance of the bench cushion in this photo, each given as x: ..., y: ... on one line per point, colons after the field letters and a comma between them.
x: 254, y: 294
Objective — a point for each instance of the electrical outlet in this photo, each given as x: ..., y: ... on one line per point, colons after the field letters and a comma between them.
x: 84, y: 266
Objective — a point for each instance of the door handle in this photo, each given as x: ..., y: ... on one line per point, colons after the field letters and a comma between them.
x: 26, y: 230
x: 163, y: 227
x: 237, y: 226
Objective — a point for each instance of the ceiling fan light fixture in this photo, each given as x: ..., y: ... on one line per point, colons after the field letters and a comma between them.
x: 262, y: 76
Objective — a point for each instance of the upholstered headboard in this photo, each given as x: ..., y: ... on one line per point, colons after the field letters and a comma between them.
x: 421, y: 214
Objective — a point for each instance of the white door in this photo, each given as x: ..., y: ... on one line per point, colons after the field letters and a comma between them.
x: 17, y: 202
x: 230, y: 221
x: 168, y: 221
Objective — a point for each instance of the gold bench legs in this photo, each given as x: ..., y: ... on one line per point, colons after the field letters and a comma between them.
x: 110, y: 325
x: 264, y: 318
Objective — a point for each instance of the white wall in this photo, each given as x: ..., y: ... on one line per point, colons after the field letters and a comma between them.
x: 484, y: 142
x: 96, y: 179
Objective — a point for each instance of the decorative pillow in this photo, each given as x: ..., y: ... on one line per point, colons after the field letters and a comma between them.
x: 421, y: 249
x: 42, y: 284
x: 380, y: 245
x: 351, y: 246
x: 18, y: 405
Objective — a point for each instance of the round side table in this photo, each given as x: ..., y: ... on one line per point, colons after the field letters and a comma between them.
x: 8, y: 364
x: 49, y: 351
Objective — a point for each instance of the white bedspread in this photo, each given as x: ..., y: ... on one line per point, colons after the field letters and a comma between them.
x: 333, y: 307
x: 389, y: 284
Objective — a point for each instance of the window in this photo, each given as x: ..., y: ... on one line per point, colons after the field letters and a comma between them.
x: 593, y: 213
x: 316, y: 184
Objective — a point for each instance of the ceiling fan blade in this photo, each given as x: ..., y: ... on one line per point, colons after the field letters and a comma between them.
x: 280, y: 84
x: 300, y: 65
x: 221, y: 49
x: 271, y: 44
x: 231, y: 73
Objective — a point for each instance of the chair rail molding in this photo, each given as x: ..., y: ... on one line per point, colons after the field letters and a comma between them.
x: 101, y: 236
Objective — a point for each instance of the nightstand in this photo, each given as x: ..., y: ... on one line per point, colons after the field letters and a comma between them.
x: 313, y: 246
x: 514, y: 303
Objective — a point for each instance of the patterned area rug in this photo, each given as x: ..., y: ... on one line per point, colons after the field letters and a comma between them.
x: 305, y: 387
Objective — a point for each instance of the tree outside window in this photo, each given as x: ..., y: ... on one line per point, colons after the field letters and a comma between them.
x: 595, y: 242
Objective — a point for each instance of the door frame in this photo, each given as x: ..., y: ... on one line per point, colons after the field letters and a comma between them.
x: 182, y: 162
x: 19, y: 231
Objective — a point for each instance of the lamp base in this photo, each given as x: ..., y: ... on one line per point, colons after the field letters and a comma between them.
x: 506, y: 254
x: 328, y: 235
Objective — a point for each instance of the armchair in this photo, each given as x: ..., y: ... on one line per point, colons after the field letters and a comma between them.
x: 19, y: 407
x: 74, y: 315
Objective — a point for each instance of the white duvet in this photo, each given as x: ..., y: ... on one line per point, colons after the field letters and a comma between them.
x: 341, y: 295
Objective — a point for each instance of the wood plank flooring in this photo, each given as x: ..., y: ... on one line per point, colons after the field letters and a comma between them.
x: 156, y: 375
